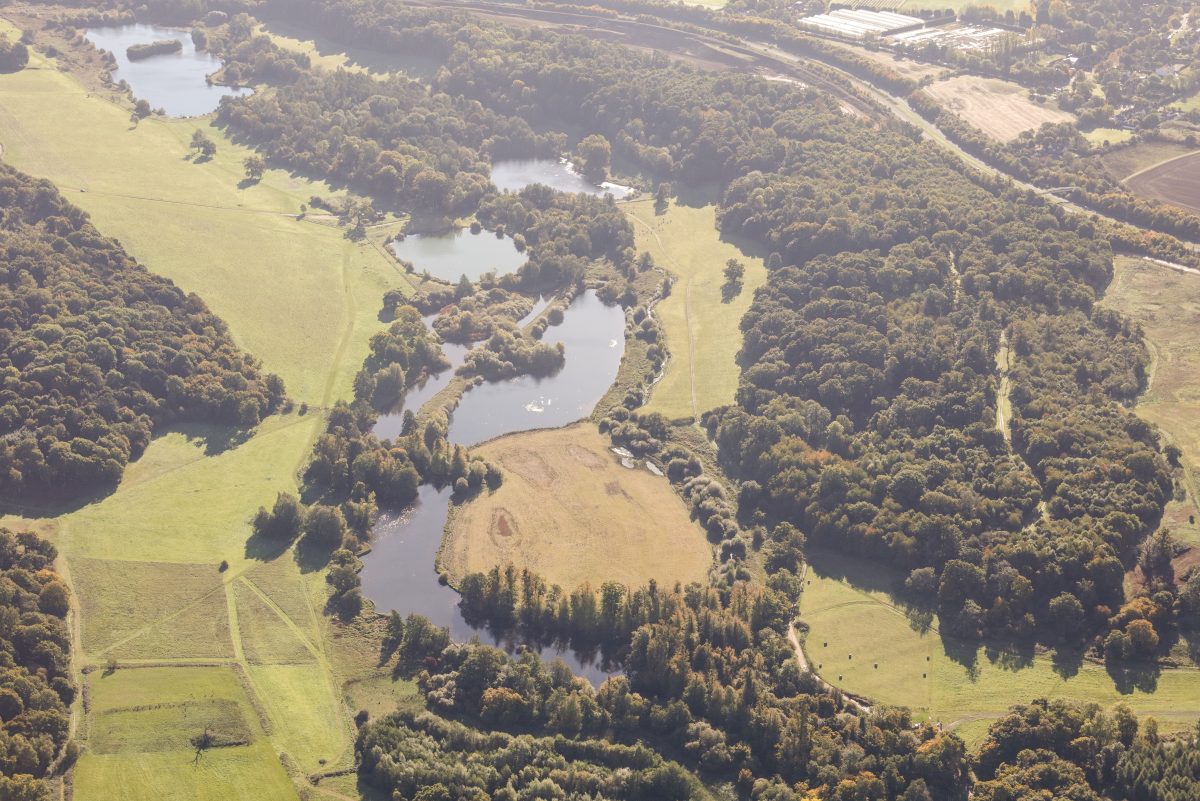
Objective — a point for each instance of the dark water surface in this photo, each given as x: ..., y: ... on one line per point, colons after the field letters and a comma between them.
x: 451, y: 256
x: 174, y: 82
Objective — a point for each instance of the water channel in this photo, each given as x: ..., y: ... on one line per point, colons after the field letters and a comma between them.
x: 175, y: 82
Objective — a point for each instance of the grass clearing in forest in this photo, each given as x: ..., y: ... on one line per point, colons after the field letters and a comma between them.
x: 861, y: 640
x: 296, y: 293
x: 570, y: 512
x: 1167, y: 302
x: 702, y: 328
x: 139, y: 739
x: 1001, y: 109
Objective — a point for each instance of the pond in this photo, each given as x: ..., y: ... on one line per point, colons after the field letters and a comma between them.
x: 513, y: 175
x: 451, y: 256
x: 398, y: 574
x: 594, y: 337
x: 174, y: 82
x: 399, y: 571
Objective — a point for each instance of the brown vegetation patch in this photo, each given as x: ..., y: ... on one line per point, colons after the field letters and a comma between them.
x: 998, y: 108
x: 586, y: 457
x: 530, y: 466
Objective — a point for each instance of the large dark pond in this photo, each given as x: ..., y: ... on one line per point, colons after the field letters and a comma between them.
x: 174, y: 82
x: 513, y: 175
x: 451, y: 256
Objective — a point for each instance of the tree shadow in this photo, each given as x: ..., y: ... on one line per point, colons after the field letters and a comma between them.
x: 246, y: 183
x: 215, y: 439
x: 1067, y: 660
x: 1129, y: 677
x: 262, y: 548
x: 730, y: 290
x: 311, y: 556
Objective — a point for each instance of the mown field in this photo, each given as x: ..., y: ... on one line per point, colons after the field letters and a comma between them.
x: 701, y: 324
x: 569, y: 511
x: 861, y: 640
x: 999, y: 108
x: 145, y: 561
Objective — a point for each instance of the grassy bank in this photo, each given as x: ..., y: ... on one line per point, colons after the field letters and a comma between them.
x: 701, y: 322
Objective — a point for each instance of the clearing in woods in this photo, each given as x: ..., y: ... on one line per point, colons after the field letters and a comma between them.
x: 701, y: 323
x: 569, y: 511
x: 864, y: 640
x: 245, y: 649
x: 1166, y: 302
x: 999, y: 108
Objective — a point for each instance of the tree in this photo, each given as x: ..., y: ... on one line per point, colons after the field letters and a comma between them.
x: 255, y: 167
x: 13, y: 55
x: 55, y: 599
x: 203, y: 146
x: 734, y: 271
x: 325, y: 526
x: 594, y: 154
x: 141, y: 110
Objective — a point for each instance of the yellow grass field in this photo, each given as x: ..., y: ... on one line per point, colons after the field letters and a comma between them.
x: 569, y: 511
x: 999, y: 108
x: 702, y: 330
x: 861, y: 641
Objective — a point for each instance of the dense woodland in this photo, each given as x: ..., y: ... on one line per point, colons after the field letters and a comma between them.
x: 97, y: 353
x: 35, y: 669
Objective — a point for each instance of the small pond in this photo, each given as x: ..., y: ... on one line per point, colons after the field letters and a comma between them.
x: 398, y: 574
x: 594, y: 337
x: 174, y: 82
x: 513, y: 175
x: 453, y: 255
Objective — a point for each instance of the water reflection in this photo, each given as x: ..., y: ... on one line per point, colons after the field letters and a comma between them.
x: 174, y: 82
x: 453, y: 255
x: 513, y: 175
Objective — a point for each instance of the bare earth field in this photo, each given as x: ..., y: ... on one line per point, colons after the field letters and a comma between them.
x: 568, y: 510
x: 998, y: 108
x: 1176, y: 182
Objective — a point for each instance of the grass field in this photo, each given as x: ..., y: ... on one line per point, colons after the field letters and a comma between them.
x: 702, y: 330
x: 297, y: 294
x: 861, y: 641
x: 141, y: 728
x: 1176, y: 182
x: 1166, y: 303
x: 569, y: 511
x: 1125, y: 161
x: 1107, y: 136
x: 143, y: 561
x: 999, y: 108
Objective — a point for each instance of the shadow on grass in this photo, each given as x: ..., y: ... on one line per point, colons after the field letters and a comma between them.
x: 1134, y: 676
x: 215, y: 439
x: 262, y: 548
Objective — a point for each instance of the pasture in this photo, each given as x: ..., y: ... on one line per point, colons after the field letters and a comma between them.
x: 863, y: 640
x: 1176, y: 182
x: 569, y: 511
x: 145, y: 561
x: 999, y: 108
x: 139, y: 739
x: 701, y: 324
x: 296, y: 293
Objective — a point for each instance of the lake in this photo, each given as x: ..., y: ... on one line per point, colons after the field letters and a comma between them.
x: 593, y: 335
x: 174, y: 82
x: 451, y: 256
x: 399, y: 571
x: 513, y: 175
